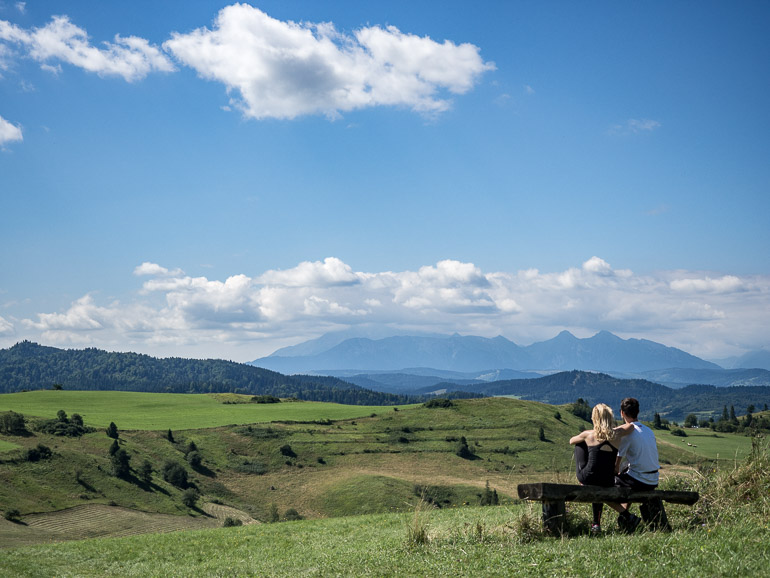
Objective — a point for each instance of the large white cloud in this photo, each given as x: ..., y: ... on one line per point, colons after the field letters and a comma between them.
x: 9, y: 132
x: 245, y: 317
x: 60, y: 40
x: 288, y: 69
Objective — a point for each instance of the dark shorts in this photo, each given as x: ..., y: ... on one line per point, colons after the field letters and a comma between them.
x: 626, y: 481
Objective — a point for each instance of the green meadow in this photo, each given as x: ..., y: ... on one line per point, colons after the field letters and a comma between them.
x: 704, y: 443
x: 382, y: 490
x: 161, y: 411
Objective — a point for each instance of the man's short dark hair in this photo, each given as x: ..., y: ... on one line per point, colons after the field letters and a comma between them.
x: 630, y: 407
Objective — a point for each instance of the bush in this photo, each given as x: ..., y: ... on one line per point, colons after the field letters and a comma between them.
x: 287, y: 451
x: 232, y: 522
x: 145, y: 472
x: 195, y: 459
x: 438, y: 402
x: 265, y: 399
x: 41, y: 452
x: 291, y: 514
x: 175, y: 474
x: 120, y: 463
x: 463, y: 450
x: 190, y: 497
x: 12, y: 423
x: 64, y: 426
x: 112, y: 430
x: 12, y: 515
x: 679, y: 432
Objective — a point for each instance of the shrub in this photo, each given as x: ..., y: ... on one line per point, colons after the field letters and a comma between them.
x: 232, y: 522
x: 12, y: 423
x: 541, y: 434
x: 112, y: 430
x: 120, y: 463
x: 291, y: 514
x: 190, y: 497
x: 12, y: 515
x: 679, y: 432
x: 265, y: 399
x: 287, y: 451
x: 175, y: 474
x: 170, y: 436
x: 41, y: 452
x: 64, y: 426
x: 273, y: 516
x: 438, y: 402
x: 463, y: 450
x: 145, y: 472
x: 195, y: 459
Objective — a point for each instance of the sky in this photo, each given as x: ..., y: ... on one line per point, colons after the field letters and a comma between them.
x: 215, y: 180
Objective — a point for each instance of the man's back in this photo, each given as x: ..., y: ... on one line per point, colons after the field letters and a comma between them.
x: 640, y: 449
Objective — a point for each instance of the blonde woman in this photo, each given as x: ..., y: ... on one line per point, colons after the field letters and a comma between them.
x: 595, y: 454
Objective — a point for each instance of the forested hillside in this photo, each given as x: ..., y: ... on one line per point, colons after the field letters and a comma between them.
x: 567, y: 386
x: 28, y: 366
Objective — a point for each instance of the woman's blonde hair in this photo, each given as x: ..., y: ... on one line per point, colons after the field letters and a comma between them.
x: 604, y: 422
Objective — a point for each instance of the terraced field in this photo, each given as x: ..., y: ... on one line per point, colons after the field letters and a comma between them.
x: 100, y: 520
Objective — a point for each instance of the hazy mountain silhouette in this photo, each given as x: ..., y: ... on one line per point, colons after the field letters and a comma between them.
x: 602, y: 352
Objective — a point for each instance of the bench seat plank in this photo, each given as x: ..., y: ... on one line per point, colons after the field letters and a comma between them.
x: 546, y: 492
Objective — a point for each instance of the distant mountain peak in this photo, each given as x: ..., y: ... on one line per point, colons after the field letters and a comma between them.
x: 604, y: 352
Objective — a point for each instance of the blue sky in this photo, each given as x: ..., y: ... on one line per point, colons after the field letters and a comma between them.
x: 207, y: 179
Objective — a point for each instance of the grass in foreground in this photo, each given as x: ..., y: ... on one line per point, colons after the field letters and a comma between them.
x: 726, y: 534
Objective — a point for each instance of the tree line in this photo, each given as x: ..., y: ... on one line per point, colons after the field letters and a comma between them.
x: 29, y: 366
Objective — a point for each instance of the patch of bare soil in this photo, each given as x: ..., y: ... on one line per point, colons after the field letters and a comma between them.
x: 102, y: 521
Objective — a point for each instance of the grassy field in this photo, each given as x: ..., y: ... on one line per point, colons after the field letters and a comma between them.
x: 380, y: 462
x: 493, y: 541
x: 6, y: 446
x: 709, y: 444
x: 161, y: 411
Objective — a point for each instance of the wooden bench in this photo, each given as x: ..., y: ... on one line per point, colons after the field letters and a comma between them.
x: 555, y: 496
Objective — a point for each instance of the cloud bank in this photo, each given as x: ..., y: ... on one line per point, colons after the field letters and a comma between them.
x: 272, y: 68
x: 245, y: 317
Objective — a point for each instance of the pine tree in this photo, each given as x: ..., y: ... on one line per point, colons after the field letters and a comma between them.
x: 112, y: 430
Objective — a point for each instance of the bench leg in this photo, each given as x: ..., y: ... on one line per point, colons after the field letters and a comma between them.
x: 654, y: 514
x: 554, y: 515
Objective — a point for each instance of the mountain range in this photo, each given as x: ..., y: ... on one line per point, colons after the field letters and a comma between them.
x: 602, y: 352
x: 406, y: 363
x: 28, y: 365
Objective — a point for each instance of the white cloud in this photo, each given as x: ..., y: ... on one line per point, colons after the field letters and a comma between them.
x: 130, y: 57
x: 154, y: 269
x: 728, y: 283
x: 196, y: 316
x: 332, y: 272
x: 6, y: 327
x: 634, y: 126
x: 9, y: 132
x: 288, y: 69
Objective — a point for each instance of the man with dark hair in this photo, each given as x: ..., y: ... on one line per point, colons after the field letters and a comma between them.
x: 639, y: 448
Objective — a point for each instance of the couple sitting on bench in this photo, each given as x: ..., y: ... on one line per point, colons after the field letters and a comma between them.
x: 600, y: 451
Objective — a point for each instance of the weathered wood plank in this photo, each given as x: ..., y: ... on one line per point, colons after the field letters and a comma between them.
x: 573, y: 493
